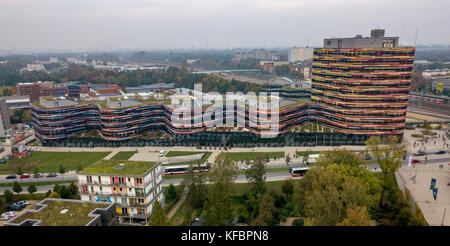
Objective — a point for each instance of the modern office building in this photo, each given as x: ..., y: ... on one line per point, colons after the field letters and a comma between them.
x: 67, y: 212
x: 356, y: 90
x: 362, y: 84
x: 133, y: 186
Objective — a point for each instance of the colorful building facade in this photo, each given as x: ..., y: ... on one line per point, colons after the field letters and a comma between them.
x: 362, y: 90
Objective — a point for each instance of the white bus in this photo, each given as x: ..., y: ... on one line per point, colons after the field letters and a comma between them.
x: 181, y: 169
x: 298, y: 171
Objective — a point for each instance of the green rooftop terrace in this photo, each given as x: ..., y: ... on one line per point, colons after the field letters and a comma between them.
x: 76, y: 215
x: 119, y: 167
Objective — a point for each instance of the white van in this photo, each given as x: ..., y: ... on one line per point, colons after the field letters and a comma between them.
x: 312, y: 158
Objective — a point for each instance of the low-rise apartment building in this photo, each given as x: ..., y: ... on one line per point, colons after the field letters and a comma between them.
x: 132, y: 185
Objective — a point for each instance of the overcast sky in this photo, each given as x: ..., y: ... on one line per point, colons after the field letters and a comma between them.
x: 160, y: 24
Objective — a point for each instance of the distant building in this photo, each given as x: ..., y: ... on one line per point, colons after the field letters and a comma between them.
x: 16, y: 102
x: 33, y: 68
x: 38, y: 89
x: 300, y: 54
x: 149, y: 88
x: 258, y: 54
x: 376, y: 40
x: 5, y: 121
x: 67, y: 212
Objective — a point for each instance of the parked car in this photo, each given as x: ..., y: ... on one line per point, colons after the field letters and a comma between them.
x: 15, y: 207
x: 23, y: 202
x: 12, y: 176
x: 415, y: 161
x: 440, y: 152
x: 51, y: 175
x: 367, y: 157
x: 25, y: 176
x: 420, y: 153
x: 2, y: 161
x: 7, y: 215
x: 38, y: 175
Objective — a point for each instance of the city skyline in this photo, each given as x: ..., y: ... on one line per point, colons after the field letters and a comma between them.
x: 195, y: 24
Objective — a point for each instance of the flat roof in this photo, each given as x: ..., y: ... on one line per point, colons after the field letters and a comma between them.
x: 114, y: 167
x: 75, y: 213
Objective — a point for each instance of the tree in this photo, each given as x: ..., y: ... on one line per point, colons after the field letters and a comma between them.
x: 17, y: 187
x: 324, y: 196
x: 171, y: 192
x: 357, y: 216
x: 197, y: 191
x: 288, y: 159
x: 3, y: 205
x: 8, y: 195
x: 256, y: 176
x: 339, y: 156
x: 158, y: 216
x: 389, y: 156
x: 19, y: 171
x: 62, y: 170
x: 218, y: 206
x: 31, y: 189
x: 265, y: 211
x: 54, y: 195
x: 287, y: 188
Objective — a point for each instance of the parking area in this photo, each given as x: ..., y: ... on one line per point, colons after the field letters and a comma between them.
x: 32, y: 202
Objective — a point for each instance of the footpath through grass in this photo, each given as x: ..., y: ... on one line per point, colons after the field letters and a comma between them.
x: 123, y: 155
x: 49, y: 162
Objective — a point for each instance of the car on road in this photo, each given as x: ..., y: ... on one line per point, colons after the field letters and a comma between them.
x: 245, y: 167
x: 420, y: 153
x: 161, y: 153
x: 35, y: 149
x: 367, y: 157
x: 38, y: 175
x: 12, y: 176
x: 25, y: 176
x: 440, y: 152
x: 51, y: 175
x: 415, y: 161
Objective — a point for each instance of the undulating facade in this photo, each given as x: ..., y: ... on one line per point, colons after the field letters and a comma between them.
x: 362, y: 90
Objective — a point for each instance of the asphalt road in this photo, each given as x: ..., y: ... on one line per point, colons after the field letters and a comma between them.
x: 66, y: 177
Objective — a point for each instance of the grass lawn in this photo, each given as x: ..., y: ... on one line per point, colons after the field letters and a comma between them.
x: 242, y: 156
x: 123, y: 155
x: 181, y: 153
x: 48, y: 162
